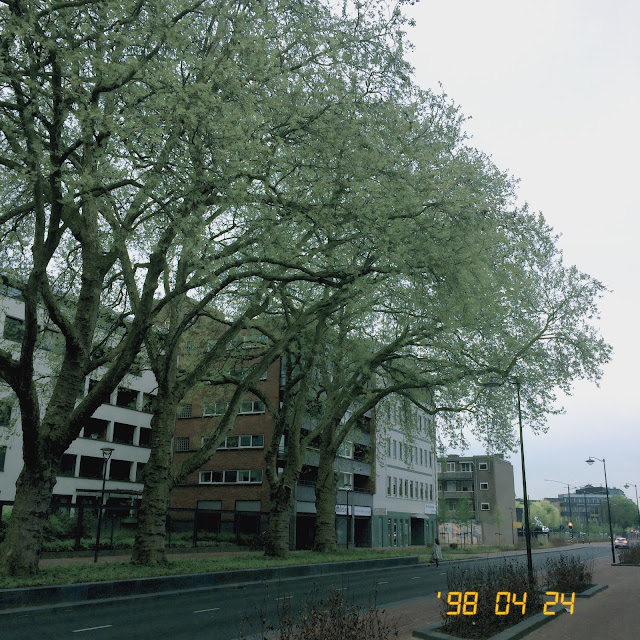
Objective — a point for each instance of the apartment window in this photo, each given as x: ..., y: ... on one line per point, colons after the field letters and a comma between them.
x: 3, y: 455
x: 215, y: 409
x: 430, y: 492
x: 400, y: 484
x: 241, y: 373
x: 395, y: 448
x: 422, y: 491
x: 430, y: 458
x: 452, y: 505
x: 389, y: 447
x: 255, y: 441
x: 483, y: 466
x: 400, y: 451
x: 421, y: 452
x: 345, y: 450
x: 184, y: 411
x: 406, y: 488
x: 465, y: 466
x: 484, y: 485
x: 13, y: 329
x: 484, y: 506
x: 451, y: 466
x: 182, y: 444
x: 252, y: 406
x: 388, y: 485
x: 345, y: 480
x: 232, y: 476
x: 5, y: 413
x: 190, y: 347
x: 411, y: 489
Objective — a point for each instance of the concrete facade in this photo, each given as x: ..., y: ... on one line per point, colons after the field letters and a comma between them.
x: 486, y: 484
x: 404, y: 503
x: 122, y: 424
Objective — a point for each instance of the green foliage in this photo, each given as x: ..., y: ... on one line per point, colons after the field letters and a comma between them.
x: 568, y: 573
x: 547, y: 513
x: 487, y: 581
x: 624, y: 513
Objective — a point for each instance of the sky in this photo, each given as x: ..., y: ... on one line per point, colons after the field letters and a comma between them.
x: 552, y: 88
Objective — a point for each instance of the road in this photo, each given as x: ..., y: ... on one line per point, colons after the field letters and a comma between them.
x: 218, y: 613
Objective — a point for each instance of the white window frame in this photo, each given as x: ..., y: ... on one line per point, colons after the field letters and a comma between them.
x: 485, y: 506
x: 466, y: 466
x: 345, y: 480
x: 484, y: 486
x: 346, y: 450
x: 451, y: 466
x: 256, y: 406
x: 185, y: 411
x: 214, y: 409
x: 483, y: 466
x: 181, y: 442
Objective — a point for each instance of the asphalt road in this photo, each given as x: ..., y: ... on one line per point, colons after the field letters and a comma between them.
x: 235, y: 611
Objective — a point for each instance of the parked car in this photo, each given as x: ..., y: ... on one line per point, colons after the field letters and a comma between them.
x: 621, y: 543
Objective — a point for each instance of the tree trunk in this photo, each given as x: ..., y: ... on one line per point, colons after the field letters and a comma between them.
x: 277, y: 537
x: 325, y: 528
x: 149, y: 544
x: 20, y: 551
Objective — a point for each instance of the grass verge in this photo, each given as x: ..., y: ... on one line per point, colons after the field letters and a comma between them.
x: 90, y: 572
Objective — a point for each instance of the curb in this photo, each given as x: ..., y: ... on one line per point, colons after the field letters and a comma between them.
x: 519, y: 630
x: 589, y: 593
x: 62, y: 594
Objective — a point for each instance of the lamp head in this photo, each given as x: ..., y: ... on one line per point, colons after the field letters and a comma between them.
x: 626, y: 486
x: 590, y: 461
x: 106, y: 452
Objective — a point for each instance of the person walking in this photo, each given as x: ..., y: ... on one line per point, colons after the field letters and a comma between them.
x: 437, y: 551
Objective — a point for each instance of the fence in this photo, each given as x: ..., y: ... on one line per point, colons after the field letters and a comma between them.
x: 73, y: 527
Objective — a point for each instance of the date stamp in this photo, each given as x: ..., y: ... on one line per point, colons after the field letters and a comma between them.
x: 465, y: 603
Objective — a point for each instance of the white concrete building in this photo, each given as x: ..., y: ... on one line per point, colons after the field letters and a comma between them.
x: 404, y: 503
x: 122, y: 424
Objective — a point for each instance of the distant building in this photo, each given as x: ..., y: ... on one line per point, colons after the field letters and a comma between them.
x: 589, y: 499
x: 476, y: 499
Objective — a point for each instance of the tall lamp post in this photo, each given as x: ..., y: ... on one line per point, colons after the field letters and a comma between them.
x: 590, y: 461
x: 626, y: 486
x: 517, y: 384
x: 569, y: 498
x: 106, y: 454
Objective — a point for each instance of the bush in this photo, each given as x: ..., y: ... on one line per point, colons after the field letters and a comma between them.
x: 567, y: 574
x: 630, y: 555
x: 484, y: 583
x: 331, y: 618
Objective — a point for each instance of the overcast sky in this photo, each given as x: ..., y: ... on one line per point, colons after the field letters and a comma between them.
x: 553, y: 90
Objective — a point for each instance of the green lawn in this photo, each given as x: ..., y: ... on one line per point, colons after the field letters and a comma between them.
x: 90, y: 572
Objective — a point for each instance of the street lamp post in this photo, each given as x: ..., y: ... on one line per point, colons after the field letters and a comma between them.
x: 516, y: 382
x: 569, y: 498
x: 590, y: 461
x: 106, y: 454
x: 626, y: 486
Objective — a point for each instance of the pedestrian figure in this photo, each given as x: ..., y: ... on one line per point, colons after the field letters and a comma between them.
x: 436, y: 554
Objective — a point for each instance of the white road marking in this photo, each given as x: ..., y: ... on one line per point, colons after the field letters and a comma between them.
x: 104, y: 626
x: 383, y: 582
x: 285, y: 598
x: 205, y: 610
x: 416, y: 577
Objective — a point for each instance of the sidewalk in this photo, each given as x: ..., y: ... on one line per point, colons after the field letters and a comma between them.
x: 612, y: 614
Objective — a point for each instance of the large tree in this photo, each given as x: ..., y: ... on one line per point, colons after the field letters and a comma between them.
x: 129, y: 131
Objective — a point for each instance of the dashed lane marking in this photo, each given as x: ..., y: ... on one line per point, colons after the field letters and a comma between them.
x: 104, y: 626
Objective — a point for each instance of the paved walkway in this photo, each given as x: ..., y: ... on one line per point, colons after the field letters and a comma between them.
x: 613, y: 614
